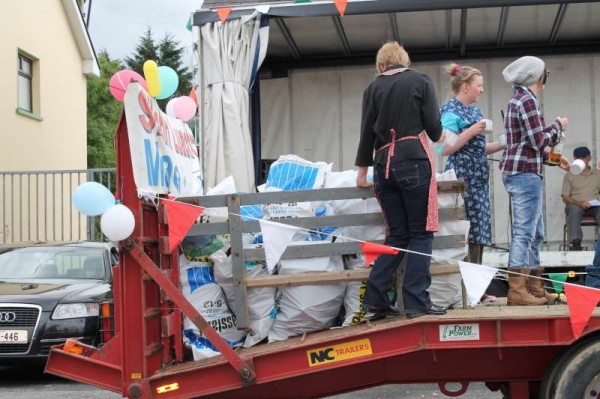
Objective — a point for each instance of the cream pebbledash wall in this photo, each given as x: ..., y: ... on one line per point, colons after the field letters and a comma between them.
x: 41, y: 29
x: 36, y: 207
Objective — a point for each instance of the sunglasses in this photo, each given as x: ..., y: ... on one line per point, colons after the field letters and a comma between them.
x: 545, y: 76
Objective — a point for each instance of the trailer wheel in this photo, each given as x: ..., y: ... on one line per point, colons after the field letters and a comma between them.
x: 580, y: 377
x: 558, y: 364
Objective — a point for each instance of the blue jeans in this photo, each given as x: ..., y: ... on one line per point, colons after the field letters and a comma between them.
x: 525, y: 191
x: 403, y: 199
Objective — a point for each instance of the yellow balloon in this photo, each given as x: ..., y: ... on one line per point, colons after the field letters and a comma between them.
x: 152, y: 78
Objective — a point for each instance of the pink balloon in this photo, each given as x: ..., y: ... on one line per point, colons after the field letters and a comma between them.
x: 185, y: 108
x: 120, y: 80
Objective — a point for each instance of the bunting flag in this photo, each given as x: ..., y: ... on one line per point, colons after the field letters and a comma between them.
x: 372, y: 251
x: 189, y: 25
x: 582, y: 301
x: 276, y: 238
x: 181, y: 217
x: 341, y: 6
x: 558, y: 280
x: 224, y: 13
x: 476, y: 279
x: 193, y: 95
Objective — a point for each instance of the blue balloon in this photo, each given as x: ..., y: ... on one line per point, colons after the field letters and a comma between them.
x: 169, y: 81
x: 93, y: 199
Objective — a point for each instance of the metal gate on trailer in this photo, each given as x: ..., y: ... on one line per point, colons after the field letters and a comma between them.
x: 38, y: 205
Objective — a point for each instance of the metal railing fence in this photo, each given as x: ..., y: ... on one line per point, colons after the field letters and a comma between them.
x: 38, y: 205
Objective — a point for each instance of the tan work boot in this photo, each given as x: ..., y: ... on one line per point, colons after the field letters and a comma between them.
x: 536, y: 287
x: 518, y: 295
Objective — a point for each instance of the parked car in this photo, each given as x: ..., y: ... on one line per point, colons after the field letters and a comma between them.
x: 51, y: 292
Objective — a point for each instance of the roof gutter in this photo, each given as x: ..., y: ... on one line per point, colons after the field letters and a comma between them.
x: 82, y: 38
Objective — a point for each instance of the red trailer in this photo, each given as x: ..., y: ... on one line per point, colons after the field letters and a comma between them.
x: 525, y: 351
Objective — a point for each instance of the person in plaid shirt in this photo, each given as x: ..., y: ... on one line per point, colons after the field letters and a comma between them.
x: 527, y: 138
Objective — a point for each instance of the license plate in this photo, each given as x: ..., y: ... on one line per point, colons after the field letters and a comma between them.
x: 13, y: 336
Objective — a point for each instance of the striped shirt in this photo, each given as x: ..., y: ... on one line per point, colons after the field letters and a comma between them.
x: 526, y: 136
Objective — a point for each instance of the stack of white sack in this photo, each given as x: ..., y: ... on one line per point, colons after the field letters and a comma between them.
x: 446, y: 289
x: 198, y: 286
x: 303, y: 309
x: 308, y: 308
x: 261, y: 301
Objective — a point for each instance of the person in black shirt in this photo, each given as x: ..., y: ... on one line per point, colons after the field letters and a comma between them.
x: 399, y: 112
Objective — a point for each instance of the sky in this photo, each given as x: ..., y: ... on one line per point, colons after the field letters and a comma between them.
x: 117, y: 25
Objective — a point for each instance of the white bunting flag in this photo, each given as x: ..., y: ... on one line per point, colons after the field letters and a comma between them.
x: 276, y: 238
x: 476, y: 278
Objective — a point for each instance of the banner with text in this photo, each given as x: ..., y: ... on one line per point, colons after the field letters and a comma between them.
x: 163, y: 149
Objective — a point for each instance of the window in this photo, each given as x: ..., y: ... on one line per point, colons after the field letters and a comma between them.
x: 28, y: 83
x: 25, y: 83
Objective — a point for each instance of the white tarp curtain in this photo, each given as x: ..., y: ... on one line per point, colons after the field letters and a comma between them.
x: 233, y: 51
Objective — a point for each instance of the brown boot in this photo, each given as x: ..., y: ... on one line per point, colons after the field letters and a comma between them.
x: 536, y: 287
x: 518, y: 295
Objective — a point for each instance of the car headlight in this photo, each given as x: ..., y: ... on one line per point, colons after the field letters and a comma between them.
x: 74, y: 310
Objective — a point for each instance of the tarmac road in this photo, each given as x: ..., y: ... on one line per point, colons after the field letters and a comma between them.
x: 31, y: 383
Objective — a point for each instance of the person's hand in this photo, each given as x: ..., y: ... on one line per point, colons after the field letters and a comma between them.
x: 564, y: 164
x: 363, y: 182
x: 564, y: 122
x: 476, y: 129
x: 361, y: 177
x: 583, y: 204
x: 598, y: 165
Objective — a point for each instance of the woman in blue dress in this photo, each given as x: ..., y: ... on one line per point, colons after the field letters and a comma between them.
x: 468, y: 153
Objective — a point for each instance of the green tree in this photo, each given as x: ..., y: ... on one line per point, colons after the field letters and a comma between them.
x: 103, y: 114
x: 145, y: 50
x: 167, y: 52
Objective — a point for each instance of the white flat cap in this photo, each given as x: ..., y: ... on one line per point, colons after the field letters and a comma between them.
x: 525, y: 71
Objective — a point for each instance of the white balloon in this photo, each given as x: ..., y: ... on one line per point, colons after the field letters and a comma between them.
x: 117, y: 223
x: 170, y: 108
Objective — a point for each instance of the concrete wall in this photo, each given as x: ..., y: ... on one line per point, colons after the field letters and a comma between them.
x: 316, y: 115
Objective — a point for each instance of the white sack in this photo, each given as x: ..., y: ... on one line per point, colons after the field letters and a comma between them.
x: 261, y: 301
x: 305, y: 309
x: 208, y: 299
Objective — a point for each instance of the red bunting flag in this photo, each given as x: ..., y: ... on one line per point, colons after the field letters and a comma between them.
x: 372, y: 251
x: 582, y: 301
x: 193, y: 96
x: 224, y: 13
x: 181, y: 217
x: 341, y: 6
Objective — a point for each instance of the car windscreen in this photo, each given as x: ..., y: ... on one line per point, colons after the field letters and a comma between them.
x: 53, y: 263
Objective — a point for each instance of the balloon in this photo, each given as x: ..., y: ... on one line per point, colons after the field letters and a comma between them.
x: 117, y: 223
x: 152, y: 78
x: 170, y: 109
x: 92, y: 199
x: 168, y: 82
x: 185, y: 108
x: 120, y: 80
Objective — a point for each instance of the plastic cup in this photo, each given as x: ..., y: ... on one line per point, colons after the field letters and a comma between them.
x: 489, y: 124
x: 501, y: 138
x: 577, y: 167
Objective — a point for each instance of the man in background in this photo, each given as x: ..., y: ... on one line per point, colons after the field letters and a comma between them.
x: 577, y: 192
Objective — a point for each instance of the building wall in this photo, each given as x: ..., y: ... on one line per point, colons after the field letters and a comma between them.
x: 59, y: 141
x: 39, y: 206
x: 316, y: 114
